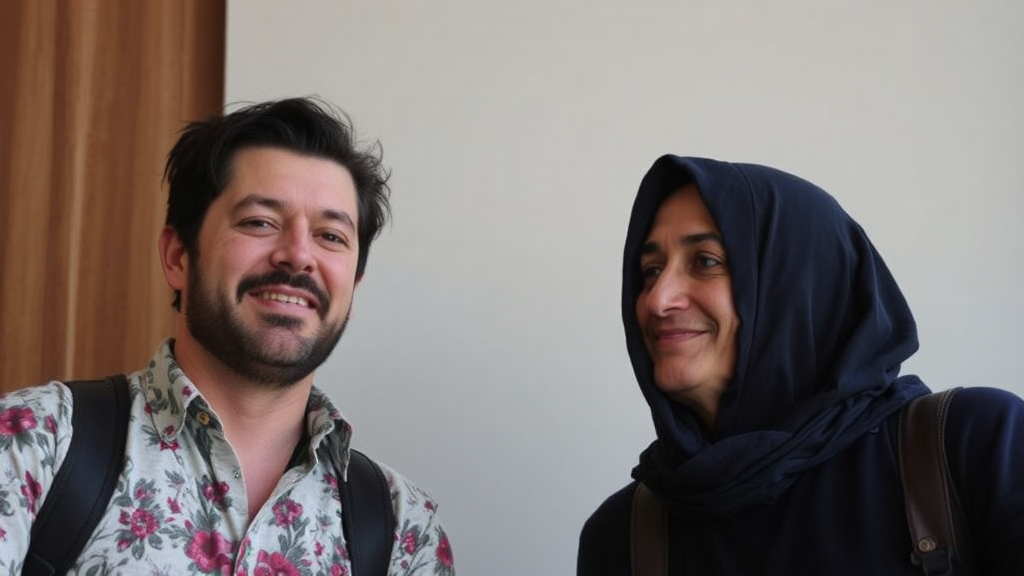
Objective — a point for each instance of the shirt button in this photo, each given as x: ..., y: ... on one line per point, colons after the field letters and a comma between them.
x: 203, y: 418
x: 238, y: 474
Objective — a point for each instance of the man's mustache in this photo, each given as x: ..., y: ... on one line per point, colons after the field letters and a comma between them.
x: 280, y: 277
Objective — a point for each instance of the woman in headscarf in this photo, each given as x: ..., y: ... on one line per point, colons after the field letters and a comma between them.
x: 766, y: 334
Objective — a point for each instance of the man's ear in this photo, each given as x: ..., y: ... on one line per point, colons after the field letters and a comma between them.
x: 173, y: 258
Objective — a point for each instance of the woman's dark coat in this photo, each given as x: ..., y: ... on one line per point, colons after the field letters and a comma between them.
x: 799, y: 474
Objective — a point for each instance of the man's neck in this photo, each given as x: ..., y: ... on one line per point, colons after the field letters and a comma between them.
x: 263, y: 423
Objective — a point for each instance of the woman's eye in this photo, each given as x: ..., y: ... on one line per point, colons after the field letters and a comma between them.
x: 706, y: 261
x: 649, y: 274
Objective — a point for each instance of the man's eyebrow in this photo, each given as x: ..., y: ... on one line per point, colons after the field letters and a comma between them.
x: 651, y: 247
x: 257, y: 200
x: 340, y: 216
x: 276, y: 205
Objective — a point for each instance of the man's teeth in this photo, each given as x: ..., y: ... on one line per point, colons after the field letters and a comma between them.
x: 284, y: 298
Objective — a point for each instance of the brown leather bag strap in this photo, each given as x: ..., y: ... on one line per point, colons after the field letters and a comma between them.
x: 938, y: 528
x: 649, y: 534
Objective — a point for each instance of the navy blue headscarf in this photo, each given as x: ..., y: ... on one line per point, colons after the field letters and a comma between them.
x: 823, y: 331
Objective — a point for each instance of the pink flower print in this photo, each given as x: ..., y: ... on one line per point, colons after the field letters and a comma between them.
x: 286, y: 512
x: 51, y: 424
x: 273, y: 565
x: 444, y: 552
x: 318, y: 549
x: 338, y: 570
x: 216, y: 492
x: 332, y: 486
x: 210, y: 552
x: 173, y: 444
x: 173, y: 505
x: 142, y: 523
x: 409, y: 541
x: 141, y: 492
x: 31, y: 490
x: 429, y: 505
x: 3, y: 535
x: 16, y: 420
x: 186, y: 391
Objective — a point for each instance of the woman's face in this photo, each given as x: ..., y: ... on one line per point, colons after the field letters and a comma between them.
x: 685, y: 310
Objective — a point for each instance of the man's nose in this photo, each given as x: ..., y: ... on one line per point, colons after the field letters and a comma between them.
x: 294, y: 253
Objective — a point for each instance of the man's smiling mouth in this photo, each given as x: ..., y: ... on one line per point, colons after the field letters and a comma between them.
x: 283, y: 298
x: 279, y: 286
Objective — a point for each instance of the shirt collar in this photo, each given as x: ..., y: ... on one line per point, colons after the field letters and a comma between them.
x: 171, y: 396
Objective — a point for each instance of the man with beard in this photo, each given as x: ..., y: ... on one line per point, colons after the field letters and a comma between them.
x: 233, y: 456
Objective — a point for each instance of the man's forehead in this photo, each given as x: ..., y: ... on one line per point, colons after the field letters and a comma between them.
x: 263, y: 175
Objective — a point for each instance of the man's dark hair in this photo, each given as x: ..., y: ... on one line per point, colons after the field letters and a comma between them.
x: 199, y: 166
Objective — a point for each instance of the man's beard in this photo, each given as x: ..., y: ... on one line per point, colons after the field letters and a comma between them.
x: 213, y: 323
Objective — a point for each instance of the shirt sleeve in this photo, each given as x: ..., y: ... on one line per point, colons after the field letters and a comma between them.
x: 421, y: 545
x: 985, y: 448
x: 35, y: 431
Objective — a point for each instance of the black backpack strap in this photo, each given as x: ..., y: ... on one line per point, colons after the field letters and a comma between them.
x: 648, y: 547
x: 938, y: 527
x: 367, y: 516
x: 85, y: 482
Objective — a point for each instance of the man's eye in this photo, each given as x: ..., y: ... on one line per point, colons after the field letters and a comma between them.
x: 257, y: 223
x: 334, y: 238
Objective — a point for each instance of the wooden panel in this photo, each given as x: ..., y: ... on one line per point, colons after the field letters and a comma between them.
x: 101, y: 88
x: 32, y: 235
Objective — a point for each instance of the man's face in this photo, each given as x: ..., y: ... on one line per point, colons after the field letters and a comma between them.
x: 270, y: 288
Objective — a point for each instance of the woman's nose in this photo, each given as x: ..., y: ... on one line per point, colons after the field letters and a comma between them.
x: 671, y: 291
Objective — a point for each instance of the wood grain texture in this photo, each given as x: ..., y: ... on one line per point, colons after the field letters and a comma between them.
x: 97, y: 92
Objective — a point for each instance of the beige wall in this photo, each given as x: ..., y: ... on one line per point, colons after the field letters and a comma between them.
x: 485, y: 356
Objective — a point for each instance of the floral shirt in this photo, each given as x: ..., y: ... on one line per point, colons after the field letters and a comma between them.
x: 180, y: 505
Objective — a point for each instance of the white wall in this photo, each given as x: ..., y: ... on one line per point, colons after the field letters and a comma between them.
x: 485, y: 358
